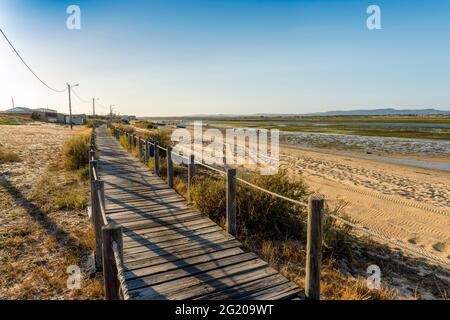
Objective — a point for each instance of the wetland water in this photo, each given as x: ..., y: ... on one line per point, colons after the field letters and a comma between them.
x: 373, y: 145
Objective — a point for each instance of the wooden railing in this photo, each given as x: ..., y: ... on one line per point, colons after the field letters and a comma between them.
x: 148, y: 148
x: 108, y: 236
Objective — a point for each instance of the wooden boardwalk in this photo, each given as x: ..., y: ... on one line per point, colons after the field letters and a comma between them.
x: 172, y: 251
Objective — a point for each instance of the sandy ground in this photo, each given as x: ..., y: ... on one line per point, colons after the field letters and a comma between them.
x: 398, y: 201
x: 36, y: 144
x: 401, y: 202
x: 36, y: 246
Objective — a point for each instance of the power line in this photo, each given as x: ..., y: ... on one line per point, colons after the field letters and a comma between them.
x: 79, y: 98
x: 26, y: 64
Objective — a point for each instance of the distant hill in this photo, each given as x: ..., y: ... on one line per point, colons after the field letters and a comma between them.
x: 370, y: 112
x: 381, y: 112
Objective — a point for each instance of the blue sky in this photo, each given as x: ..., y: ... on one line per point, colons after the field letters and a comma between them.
x: 189, y: 57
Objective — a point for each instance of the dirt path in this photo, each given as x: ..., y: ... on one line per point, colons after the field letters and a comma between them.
x: 400, y: 202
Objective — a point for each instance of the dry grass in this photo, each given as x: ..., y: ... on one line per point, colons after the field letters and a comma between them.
x: 8, y: 157
x: 42, y: 232
x: 161, y: 135
x: 289, y: 258
x: 76, y: 152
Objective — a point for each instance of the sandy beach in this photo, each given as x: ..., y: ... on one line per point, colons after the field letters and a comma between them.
x: 401, y: 202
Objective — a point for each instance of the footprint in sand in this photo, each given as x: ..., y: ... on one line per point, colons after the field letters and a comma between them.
x: 441, y: 247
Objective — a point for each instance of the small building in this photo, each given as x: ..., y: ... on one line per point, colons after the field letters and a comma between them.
x: 48, y: 115
x: 18, y: 111
x: 77, y: 119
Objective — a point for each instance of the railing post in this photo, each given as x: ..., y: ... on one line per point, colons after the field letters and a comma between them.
x: 157, y: 159
x: 147, y: 151
x: 97, y: 220
x: 152, y: 148
x: 231, y: 202
x: 191, y: 172
x: 93, y: 165
x: 111, y: 233
x: 140, y: 149
x: 314, y: 248
x: 169, y: 167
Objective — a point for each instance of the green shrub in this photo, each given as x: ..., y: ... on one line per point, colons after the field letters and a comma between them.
x: 76, y: 152
x: 97, y: 123
x: 144, y: 124
x: 259, y: 215
x: 83, y: 173
x: 124, y: 128
x: 71, y: 201
x: 163, y: 136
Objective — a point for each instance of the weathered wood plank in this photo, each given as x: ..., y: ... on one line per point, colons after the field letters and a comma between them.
x: 182, y: 248
x: 180, y: 255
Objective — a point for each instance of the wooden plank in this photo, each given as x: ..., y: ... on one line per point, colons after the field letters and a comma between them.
x: 279, y: 292
x: 169, y: 237
x: 180, y: 255
x: 135, y: 225
x: 149, y: 207
x: 208, y: 282
x: 175, y: 226
x: 173, y: 281
x: 197, y: 264
x: 134, y: 216
x: 201, y: 229
x: 217, y: 245
x: 201, y: 240
x: 245, y: 288
x: 221, y: 284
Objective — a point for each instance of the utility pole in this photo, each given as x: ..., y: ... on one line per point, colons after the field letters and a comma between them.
x: 110, y: 111
x: 70, y: 104
x: 93, y: 108
x: 70, y: 107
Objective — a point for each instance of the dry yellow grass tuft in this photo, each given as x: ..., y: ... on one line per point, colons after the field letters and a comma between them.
x: 76, y: 152
x: 7, y: 156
